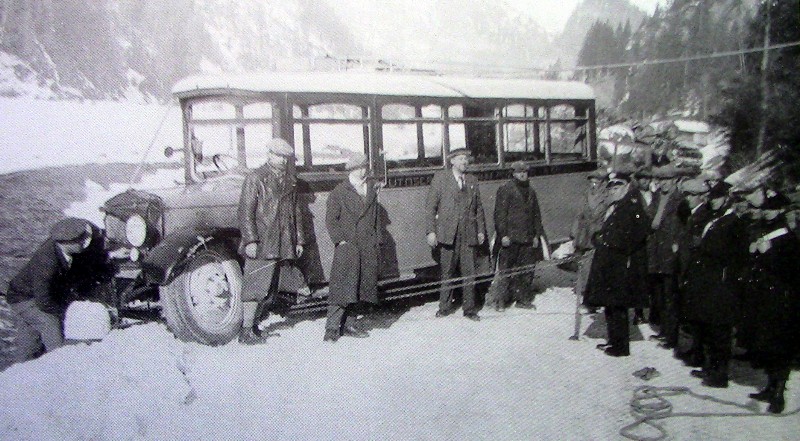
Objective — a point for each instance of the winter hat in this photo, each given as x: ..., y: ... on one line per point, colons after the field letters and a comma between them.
x: 357, y: 160
x: 70, y: 229
x: 458, y: 152
x: 694, y: 186
x: 280, y: 147
x: 518, y: 167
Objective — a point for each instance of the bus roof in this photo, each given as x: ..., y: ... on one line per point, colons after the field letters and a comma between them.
x: 378, y: 83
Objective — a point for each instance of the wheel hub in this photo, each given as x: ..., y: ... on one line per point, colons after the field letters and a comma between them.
x: 209, y: 292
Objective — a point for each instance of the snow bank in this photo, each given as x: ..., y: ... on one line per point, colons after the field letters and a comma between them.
x: 511, y: 376
x: 40, y: 133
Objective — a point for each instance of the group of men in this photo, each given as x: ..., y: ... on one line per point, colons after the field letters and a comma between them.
x: 272, y: 238
x: 715, y: 260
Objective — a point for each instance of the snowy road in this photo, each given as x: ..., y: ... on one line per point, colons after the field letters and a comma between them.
x: 512, y: 376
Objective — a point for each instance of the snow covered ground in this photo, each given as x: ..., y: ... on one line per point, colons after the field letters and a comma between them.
x: 512, y: 376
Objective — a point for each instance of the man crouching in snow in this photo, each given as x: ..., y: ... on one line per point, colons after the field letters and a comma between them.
x: 40, y: 291
x: 352, y: 221
x: 617, y: 278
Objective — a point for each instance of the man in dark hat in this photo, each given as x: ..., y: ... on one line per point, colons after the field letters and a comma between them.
x: 617, y: 279
x: 37, y: 293
x: 663, y: 245
x: 455, y: 226
x: 518, y: 224
x: 768, y: 327
x: 712, y: 283
x: 648, y: 196
x: 589, y: 222
x: 352, y: 221
x: 271, y: 225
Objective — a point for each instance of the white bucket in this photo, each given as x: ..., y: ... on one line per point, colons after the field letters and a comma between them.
x: 86, y: 321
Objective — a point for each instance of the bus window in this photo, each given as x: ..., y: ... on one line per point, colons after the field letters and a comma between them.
x: 257, y: 131
x: 567, y: 133
x: 520, y: 136
x: 211, y: 140
x: 475, y: 130
x: 332, y: 132
x: 409, y: 140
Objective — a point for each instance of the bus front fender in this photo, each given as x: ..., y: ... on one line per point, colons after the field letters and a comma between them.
x: 166, y: 261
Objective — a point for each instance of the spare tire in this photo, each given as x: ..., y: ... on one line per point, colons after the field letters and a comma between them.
x: 204, y: 303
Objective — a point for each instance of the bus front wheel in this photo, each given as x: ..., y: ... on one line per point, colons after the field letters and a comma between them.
x: 204, y: 303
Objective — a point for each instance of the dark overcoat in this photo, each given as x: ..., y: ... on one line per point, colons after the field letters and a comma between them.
x: 353, y: 219
x: 661, y: 258
x: 590, y: 219
x: 270, y: 215
x: 770, y: 314
x: 517, y: 215
x: 619, y: 267
x: 41, y: 279
x: 713, y: 273
x: 442, y: 214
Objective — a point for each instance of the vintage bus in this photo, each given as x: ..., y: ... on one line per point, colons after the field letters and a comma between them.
x: 184, y: 240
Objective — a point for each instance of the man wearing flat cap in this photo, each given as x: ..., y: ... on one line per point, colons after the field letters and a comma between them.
x: 455, y: 225
x: 518, y: 224
x: 711, y: 287
x: 617, y: 278
x: 663, y: 244
x: 37, y: 294
x: 270, y: 222
x: 351, y: 217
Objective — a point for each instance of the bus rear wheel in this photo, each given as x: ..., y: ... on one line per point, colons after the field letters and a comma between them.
x: 204, y: 303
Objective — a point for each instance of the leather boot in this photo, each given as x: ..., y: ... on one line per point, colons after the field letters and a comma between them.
x: 776, y: 402
x: 331, y: 335
x: 768, y: 391
x: 352, y: 331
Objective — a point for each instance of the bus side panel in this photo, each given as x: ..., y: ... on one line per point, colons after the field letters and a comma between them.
x: 404, y: 248
x: 560, y: 199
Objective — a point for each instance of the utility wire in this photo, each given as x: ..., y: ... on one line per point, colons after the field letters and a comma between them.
x: 399, y: 66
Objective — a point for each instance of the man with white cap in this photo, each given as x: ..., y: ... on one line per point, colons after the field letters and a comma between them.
x: 351, y: 217
x: 271, y: 226
x: 455, y: 225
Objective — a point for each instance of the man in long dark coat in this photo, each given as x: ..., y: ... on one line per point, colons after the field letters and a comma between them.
x: 662, y: 251
x: 270, y: 222
x: 518, y: 224
x: 769, y: 327
x: 352, y: 221
x: 38, y: 294
x: 589, y: 222
x: 710, y: 292
x: 455, y: 224
x: 644, y: 182
x: 617, y: 279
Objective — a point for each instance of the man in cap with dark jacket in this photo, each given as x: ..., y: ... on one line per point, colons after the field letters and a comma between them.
x: 617, y: 279
x: 38, y: 293
x: 455, y: 225
x: 663, y: 245
x: 518, y: 224
x: 351, y: 217
x: 271, y: 225
x: 713, y: 280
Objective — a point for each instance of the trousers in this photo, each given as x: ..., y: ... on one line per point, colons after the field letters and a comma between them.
x: 459, y: 256
x: 35, y: 329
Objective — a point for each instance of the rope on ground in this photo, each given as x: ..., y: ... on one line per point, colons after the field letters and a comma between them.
x: 649, y: 405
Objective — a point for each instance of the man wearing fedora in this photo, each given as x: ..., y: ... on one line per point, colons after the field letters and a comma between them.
x: 38, y: 293
x: 455, y: 226
x: 518, y: 224
x: 617, y: 278
x: 351, y: 217
x: 270, y: 222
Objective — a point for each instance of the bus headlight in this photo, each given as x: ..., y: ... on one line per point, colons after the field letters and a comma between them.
x: 136, y: 230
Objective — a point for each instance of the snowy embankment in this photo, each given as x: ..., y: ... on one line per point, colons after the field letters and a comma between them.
x: 41, y: 133
x: 512, y: 376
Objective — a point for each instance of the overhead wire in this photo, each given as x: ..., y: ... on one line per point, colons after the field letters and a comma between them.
x: 391, y: 65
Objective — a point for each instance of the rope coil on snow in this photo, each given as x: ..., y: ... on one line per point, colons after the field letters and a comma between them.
x: 649, y: 405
